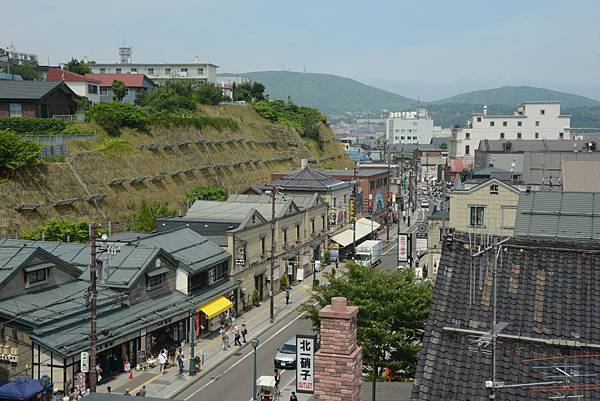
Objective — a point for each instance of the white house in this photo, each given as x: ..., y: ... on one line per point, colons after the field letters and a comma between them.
x: 81, y: 85
x: 409, y: 127
x: 531, y: 120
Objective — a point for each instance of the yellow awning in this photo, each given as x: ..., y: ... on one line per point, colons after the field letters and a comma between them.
x: 215, y: 307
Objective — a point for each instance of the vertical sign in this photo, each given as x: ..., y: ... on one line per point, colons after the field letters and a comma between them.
x: 305, y: 357
x: 403, y: 247
x: 85, y: 362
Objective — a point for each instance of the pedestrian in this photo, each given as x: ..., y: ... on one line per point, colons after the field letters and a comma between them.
x: 337, y: 263
x: 287, y: 295
x: 224, y: 338
x: 109, y: 390
x: 162, y: 361
x: 180, y: 358
x: 237, y: 336
x: 142, y: 392
x: 277, y: 378
x: 244, y: 332
x: 387, y: 373
x: 127, y: 392
x: 293, y: 397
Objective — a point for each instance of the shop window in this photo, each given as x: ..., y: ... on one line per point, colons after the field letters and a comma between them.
x: 372, y: 185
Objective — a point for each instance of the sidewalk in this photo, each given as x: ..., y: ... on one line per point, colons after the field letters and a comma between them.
x: 257, y: 322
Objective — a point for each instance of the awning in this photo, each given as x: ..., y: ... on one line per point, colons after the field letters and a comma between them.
x: 364, y: 227
x: 156, y: 272
x: 215, y: 307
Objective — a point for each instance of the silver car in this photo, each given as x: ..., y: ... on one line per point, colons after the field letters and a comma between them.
x: 286, y: 355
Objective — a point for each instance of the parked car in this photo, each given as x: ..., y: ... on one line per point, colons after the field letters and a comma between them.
x: 425, y: 204
x: 286, y: 355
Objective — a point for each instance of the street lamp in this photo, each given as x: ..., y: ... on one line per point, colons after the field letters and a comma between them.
x: 192, y: 370
x: 254, y: 343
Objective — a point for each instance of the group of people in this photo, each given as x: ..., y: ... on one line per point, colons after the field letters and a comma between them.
x: 239, y: 336
x: 163, y: 360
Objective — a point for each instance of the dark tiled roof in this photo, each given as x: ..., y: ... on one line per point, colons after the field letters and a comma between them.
x: 307, y: 179
x: 580, y: 175
x: 29, y: 90
x: 547, y: 291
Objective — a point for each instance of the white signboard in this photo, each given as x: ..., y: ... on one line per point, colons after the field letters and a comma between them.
x: 421, y: 244
x: 403, y: 247
x: 300, y: 274
x: 305, y: 357
x: 85, y: 362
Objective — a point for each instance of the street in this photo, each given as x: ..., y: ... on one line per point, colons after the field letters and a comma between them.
x: 232, y: 380
x: 390, y: 255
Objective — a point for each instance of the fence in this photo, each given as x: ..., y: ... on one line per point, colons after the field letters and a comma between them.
x: 54, y: 145
x: 70, y: 117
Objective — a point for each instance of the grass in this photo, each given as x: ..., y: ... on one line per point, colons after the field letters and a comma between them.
x: 114, y: 147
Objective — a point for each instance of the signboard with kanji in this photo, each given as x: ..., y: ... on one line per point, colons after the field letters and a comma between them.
x: 305, y: 358
x: 402, y: 247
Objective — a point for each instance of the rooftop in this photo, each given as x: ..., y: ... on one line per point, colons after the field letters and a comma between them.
x: 130, y: 80
x: 580, y: 175
x: 533, y: 145
x: 57, y: 74
x: 308, y: 179
x: 30, y: 90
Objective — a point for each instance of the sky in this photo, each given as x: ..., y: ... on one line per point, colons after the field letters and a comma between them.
x: 418, y: 48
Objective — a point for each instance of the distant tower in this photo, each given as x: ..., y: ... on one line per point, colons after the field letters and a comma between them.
x: 125, y: 54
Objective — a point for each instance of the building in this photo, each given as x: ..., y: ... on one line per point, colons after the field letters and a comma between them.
x: 143, y: 304
x: 437, y: 224
x: 409, y: 127
x: 488, y: 208
x: 335, y: 193
x: 31, y: 99
x: 242, y: 225
x: 547, y: 313
x: 531, y: 120
x: 433, y: 164
x: 81, y: 85
x: 160, y: 72
x: 12, y: 55
x: 136, y: 85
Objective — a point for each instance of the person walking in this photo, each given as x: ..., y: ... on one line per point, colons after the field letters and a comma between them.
x: 162, y: 361
x: 237, y: 336
x: 244, y: 332
x: 293, y: 397
x: 180, y: 358
x: 287, y: 295
x: 109, y: 390
x: 224, y: 338
x: 277, y: 378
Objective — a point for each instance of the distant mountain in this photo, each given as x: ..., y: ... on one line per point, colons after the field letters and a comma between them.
x: 514, y: 95
x: 331, y: 94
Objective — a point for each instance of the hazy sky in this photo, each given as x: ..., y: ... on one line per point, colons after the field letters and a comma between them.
x: 423, y: 48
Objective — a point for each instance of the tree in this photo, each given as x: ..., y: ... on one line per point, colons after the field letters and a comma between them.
x: 145, y: 218
x: 114, y: 115
x: 16, y: 152
x: 207, y: 193
x: 119, y: 90
x: 444, y: 146
x: 208, y: 94
x: 57, y: 229
x: 28, y: 70
x: 249, y: 91
x: 393, y: 308
x: 78, y: 66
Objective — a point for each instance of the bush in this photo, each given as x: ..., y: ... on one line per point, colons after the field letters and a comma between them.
x: 178, y: 94
x: 33, y: 126
x: 255, y: 298
x: 57, y: 229
x: 145, y: 218
x: 117, y: 146
x: 79, y: 129
x: 207, y: 193
x: 190, y: 120
x: 283, y: 281
x: 115, y: 115
x: 16, y: 152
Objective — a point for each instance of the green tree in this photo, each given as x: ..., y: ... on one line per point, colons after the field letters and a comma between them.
x: 175, y: 94
x: 28, y: 70
x: 207, y: 193
x: 393, y: 308
x: 119, y: 90
x: 115, y: 115
x: 208, y: 94
x: 145, y: 218
x: 249, y: 91
x: 78, y: 66
x: 57, y: 229
x: 16, y: 152
x: 444, y: 145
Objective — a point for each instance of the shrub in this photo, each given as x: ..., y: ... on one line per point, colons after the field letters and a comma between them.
x: 145, y: 218
x: 16, y: 152
x: 57, y: 229
x: 191, y: 120
x: 178, y: 94
x: 116, y: 115
x: 207, y: 193
x: 283, y: 281
x: 255, y: 297
x: 33, y: 126
x: 117, y: 146
x: 79, y: 129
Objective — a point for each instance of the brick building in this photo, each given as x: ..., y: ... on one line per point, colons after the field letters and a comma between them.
x: 32, y: 99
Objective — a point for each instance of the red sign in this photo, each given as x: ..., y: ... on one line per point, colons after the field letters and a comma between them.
x: 403, y: 247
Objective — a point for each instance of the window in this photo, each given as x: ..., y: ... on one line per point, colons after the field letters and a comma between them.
x: 312, y: 225
x: 117, y: 70
x: 491, y: 123
x: 102, y: 70
x: 385, y: 182
x: 542, y: 111
x: 402, y: 138
x: 478, y: 119
x: 345, y: 199
x: 476, y: 216
x: 468, y: 135
x: 201, y: 71
x: 507, y: 146
x: 519, y: 135
x: 537, y: 135
x: 104, y: 91
x: 151, y: 71
x: 519, y: 123
x: 323, y: 222
x: 502, y: 135
x: 167, y: 71
x: 183, y: 69
x: 402, y: 130
x: 372, y: 185
x: 504, y: 123
x: 263, y: 247
x: 156, y: 280
x: 133, y: 70
x: 537, y: 123
x: 298, y: 232
x: 467, y: 150
x: 37, y: 276
x: 561, y: 135
x: 93, y: 89
x: 414, y: 124
x: 15, y: 110
x: 285, y: 236
x: 414, y: 138
x: 217, y: 273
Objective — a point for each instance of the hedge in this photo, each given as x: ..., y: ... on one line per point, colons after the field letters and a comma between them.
x: 33, y: 126
x: 196, y: 121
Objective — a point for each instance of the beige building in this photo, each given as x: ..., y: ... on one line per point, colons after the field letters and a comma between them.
x: 437, y: 222
x: 488, y: 208
x: 242, y: 225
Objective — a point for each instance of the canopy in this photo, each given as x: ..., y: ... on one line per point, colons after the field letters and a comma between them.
x: 20, y: 389
x: 265, y: 381
x: 364, y: 227
x: 215, y: 307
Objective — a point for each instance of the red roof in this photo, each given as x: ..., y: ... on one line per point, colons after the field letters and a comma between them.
x: 130, y: 80
x: 56, y: 74
x: 458, y: 165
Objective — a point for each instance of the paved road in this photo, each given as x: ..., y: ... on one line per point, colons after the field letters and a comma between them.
x: 232, y: 380
x: 390, y: 257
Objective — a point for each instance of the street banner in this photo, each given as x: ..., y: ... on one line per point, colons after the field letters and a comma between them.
x: 305, y: 357
x: 421, y: 244
x: 403, y: 247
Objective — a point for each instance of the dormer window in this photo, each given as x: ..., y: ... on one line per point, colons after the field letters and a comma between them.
x: 37, y: 274
x: 155, y: 278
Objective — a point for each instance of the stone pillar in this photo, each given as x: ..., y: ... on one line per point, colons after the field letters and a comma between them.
x: 338, y: 362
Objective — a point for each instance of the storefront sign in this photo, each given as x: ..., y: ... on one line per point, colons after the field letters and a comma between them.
x: 85, y: 362
x: 421, y: 244
x: 299, y: 274
x: 305, y: 357
x: 403, y: 247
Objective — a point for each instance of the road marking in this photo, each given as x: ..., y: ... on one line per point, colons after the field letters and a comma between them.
x: 214, y: 379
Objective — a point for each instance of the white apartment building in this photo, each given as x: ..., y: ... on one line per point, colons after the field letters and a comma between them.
x: 201, y: 72
x: 18, y: 57
x: 409, y: 127
x: 531, y: 120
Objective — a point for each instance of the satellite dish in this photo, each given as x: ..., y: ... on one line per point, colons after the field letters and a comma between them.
x: 104, y: 237
x: 157, y: 262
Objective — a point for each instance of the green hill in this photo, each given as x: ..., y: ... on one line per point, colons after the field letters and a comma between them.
x: 331, y: 94
x: 514, y: 95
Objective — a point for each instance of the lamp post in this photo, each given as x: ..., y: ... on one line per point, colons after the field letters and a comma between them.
x: 274, y: 191
x: 254, y: 343
x: 192, y: 370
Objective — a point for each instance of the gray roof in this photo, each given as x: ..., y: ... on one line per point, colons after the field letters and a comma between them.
x: 580, y: 175
x: 387, y: 391
x: 568, y: 215
x: 29, y: 90
x: 126, y: 236
x: 307, y: 179
x: 532, y: 145
x: 238, y: 208
x: 438, y: 140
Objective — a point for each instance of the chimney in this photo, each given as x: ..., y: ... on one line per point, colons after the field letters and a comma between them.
x: 485, y: 110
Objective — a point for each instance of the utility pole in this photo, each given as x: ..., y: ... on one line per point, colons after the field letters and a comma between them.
x: 93, y: 294
x: 354, y: 196
x: 273, y: 245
